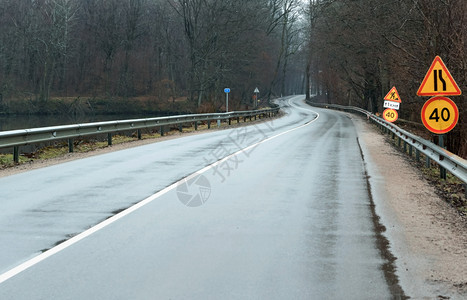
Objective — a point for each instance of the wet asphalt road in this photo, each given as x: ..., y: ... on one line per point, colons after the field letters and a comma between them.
x: 290, y: 218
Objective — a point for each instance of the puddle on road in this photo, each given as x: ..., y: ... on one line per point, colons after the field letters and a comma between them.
x: 382, y: 243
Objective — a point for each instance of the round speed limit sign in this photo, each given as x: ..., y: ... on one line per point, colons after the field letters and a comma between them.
x: 440, y: 115
x: 390, y: 115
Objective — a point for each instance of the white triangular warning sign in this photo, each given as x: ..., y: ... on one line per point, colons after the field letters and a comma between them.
x: 438, y: 81
x: 393, y: 95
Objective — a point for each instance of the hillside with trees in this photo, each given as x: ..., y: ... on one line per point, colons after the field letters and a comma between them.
x: 359, y: 49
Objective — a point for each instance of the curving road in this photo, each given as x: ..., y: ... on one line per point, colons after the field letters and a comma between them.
x: 280, y: 210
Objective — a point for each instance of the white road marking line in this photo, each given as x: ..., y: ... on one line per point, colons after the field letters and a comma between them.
x: 62, y: 246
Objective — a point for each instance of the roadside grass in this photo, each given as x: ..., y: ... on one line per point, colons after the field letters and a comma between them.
x: 50, y: 152
x: 6, y: 160
x: 61, y: 149
x: 452, y: 190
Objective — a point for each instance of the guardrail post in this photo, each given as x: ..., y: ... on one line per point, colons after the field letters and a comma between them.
x: 238, y: 120
x: 180, y: 128
x: 428, y: 162
x: 218, y: 123
x: 417, y: 155
x: 405, y: 147
x: 16, y: 154
x: 410, y: 150
x: 442, y: 173
x: 70, y: 146
x: 399, y: 141
x: 196, y: 125
x: 109, y: 139
x: 139, y: 134
x: 209, y: 124
x: 162, y: 130
x: 230, y: 122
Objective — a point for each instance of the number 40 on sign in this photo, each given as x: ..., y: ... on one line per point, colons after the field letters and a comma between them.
x: 440, y: 115
x: 390, y: 115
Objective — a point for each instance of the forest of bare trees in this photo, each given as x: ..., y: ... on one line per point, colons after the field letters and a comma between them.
x: 167, y: 52
x: 161, y: 50
x: 359, y: 49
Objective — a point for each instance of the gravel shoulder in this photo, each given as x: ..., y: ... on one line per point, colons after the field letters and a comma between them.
x: 427, y: 235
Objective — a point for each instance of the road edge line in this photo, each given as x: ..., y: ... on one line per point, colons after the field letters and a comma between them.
x: 62, y: 246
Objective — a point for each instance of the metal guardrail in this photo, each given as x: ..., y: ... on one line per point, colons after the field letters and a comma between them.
x: 21, y: 137
x: 445, y: 159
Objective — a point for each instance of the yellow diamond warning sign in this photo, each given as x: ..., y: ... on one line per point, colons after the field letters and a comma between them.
x: 393, y: 95
x: 438, y: 81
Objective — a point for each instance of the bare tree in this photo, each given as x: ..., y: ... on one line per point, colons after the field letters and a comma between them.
x: 133, y: 28
x: 103, y: 20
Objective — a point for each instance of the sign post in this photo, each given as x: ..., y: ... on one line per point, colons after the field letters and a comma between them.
x: 439, y: 114
x: 226, y: 91
x: 438, y: 81
x: 392, y: 103
x: 390, y: 115
x: 442, y: 171
x: 393, y: 95
x: 256, y: 98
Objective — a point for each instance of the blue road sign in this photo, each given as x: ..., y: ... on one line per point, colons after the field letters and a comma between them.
x: 226, y: 90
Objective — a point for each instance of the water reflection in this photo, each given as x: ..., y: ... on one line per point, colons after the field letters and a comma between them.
x: 33, y: 121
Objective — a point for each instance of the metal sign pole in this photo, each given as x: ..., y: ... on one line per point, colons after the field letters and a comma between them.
x: 226, y: 102
x: 227, y: 91
x: 442, y: 171
x: 256, y: 99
